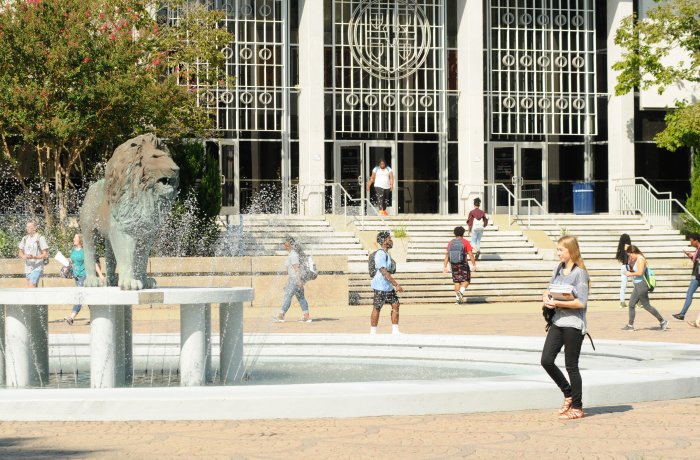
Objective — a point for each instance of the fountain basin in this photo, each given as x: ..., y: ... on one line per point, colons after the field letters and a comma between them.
x: 618, y: 372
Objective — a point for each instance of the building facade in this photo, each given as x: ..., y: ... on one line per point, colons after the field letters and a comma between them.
x: 509, y: 100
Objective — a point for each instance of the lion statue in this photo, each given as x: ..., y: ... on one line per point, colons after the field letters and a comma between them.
x: 127, y: 208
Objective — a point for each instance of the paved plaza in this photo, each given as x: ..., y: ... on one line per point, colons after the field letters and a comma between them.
x: 650, y: 430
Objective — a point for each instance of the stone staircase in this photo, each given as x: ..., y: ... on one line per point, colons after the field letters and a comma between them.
x: 598, y: 234
x: 428, y: 236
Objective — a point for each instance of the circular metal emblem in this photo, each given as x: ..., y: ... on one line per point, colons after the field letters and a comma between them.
x: 390, y: 39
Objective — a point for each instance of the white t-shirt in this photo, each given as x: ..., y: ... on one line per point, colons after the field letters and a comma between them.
x: 381, y: 178
x: 33, y: 245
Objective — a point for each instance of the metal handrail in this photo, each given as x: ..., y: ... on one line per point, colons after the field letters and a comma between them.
x: 514, y: 214
x: 647, y: 200
x: 303, y: 196
x: 686, y: 210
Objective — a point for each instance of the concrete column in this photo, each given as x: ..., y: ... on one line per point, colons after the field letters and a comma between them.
x: 620, y: 111
x: 26, y: 346
x: 193, y: 345
x: 128, y: 346
x: 231, y: 341
x: 470, y: 83
x: 311, y: 106
x: 106, y: 346
x: 2, y: 345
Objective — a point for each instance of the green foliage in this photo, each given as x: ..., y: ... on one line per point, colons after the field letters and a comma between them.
x: 682, y: 128
x: 400, y: 231
x: 693, y: 201
x: 199, y: 177
x: 670, y: 26
x: 76, y: 72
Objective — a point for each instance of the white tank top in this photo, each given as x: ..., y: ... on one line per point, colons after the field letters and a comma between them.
x: 381, y: 179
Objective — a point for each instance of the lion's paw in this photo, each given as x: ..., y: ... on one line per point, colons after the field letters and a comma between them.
x: 150, y: 283
x: 92, y: 281
x: 130, y: 284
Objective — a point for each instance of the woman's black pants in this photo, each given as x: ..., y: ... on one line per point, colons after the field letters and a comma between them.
x: 571, y: 339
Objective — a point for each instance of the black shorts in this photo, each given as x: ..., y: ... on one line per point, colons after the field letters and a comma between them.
x: 383, y: 297
x: 461, y: 273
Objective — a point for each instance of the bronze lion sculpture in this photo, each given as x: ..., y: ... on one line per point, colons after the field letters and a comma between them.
x: 127, y: 209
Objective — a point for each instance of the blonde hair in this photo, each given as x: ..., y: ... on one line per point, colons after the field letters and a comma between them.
x: 571, y: 244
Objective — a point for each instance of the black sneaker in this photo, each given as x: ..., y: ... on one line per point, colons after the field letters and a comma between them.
x: 678, y: 316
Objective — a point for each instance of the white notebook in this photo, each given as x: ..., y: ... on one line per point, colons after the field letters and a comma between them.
x: 562, y: 291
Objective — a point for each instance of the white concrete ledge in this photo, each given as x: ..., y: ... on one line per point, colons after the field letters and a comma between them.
x: 618, y: 372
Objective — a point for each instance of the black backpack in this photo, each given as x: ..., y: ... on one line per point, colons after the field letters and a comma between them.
x: 455, y: 252
x: 373, y: 268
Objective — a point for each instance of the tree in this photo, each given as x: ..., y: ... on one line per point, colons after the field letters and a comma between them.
x: 670, y: 26
x: 76, y: 72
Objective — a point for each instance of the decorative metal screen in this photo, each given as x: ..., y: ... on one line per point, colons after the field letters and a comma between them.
x: 257, y: 59
x: 389, y: 65
x: 541, y: 59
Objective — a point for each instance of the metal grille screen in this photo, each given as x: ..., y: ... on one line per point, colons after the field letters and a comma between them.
x: 541, y: 59
x: 389, y: 66
x: 256, y: 58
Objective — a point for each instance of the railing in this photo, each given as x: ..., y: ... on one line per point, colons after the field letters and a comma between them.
x: 339, y: 195
x: 654, y: 206
x: 513, y: 202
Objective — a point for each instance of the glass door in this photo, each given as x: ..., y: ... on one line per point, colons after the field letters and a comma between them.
x: 230, y: 181
x: 519, y: 168
x: 350, y: 174
x: 531, y: 178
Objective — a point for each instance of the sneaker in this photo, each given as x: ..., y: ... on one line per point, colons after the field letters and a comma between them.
x: 279, y: 318
x: 305, y: 319
x: 623, y: 305
x: 460, y: 297
x: 477, y: 255
x: 678, y: 316
x: 664, y: 325
x: 629, y: 327
x: 68, y: 320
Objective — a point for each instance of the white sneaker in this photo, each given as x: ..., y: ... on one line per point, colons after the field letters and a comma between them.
x: 278, y: 318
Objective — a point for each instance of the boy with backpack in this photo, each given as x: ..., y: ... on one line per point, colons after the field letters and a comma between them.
x: 456, y: 255
x: 385, y: 287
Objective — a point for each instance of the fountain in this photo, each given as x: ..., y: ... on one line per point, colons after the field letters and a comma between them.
x: 295, y: 375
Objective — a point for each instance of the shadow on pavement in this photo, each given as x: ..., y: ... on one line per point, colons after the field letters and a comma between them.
x: 16, y: 448
x: 608, y: 410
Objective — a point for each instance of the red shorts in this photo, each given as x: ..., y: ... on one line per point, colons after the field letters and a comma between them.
x: 461, y: 273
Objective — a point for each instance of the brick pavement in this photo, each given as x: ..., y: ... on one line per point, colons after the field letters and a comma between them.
x: 651, y: 430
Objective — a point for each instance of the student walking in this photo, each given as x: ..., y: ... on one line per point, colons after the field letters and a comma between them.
x: 384, y: 285
x: 568, y: 326
x: 638, y: 272
x: 34, y: 250
x: 383, y: 180
x: 695, y: 280
x: 457, y: 251
x: 77, y: 264
x: 295, y: 282
x: 621, y: 256
x: 477, y: 221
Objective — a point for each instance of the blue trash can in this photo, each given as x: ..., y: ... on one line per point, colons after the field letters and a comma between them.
x: 583, y: 197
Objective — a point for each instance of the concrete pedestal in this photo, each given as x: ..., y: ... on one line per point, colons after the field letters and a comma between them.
x: 2, y: 345
x: 231, y: 342
x: 26, y: 345
x: 26, y: 356
x: 195, y: 344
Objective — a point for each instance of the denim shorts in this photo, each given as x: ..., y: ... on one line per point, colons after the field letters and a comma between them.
x: 34, y: 276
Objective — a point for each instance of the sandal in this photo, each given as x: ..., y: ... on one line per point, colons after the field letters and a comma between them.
x: 692, y: 323
x: 572, y: 414
x: 68, y: 320
x: 566, y: 406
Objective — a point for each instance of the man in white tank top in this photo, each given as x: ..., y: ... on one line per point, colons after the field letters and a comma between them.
x: 383, y: 180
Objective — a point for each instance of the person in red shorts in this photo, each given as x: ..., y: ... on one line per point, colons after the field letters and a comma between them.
x: 456, y: 255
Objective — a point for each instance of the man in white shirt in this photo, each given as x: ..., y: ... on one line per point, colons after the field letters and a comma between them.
x: 34, y: 251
